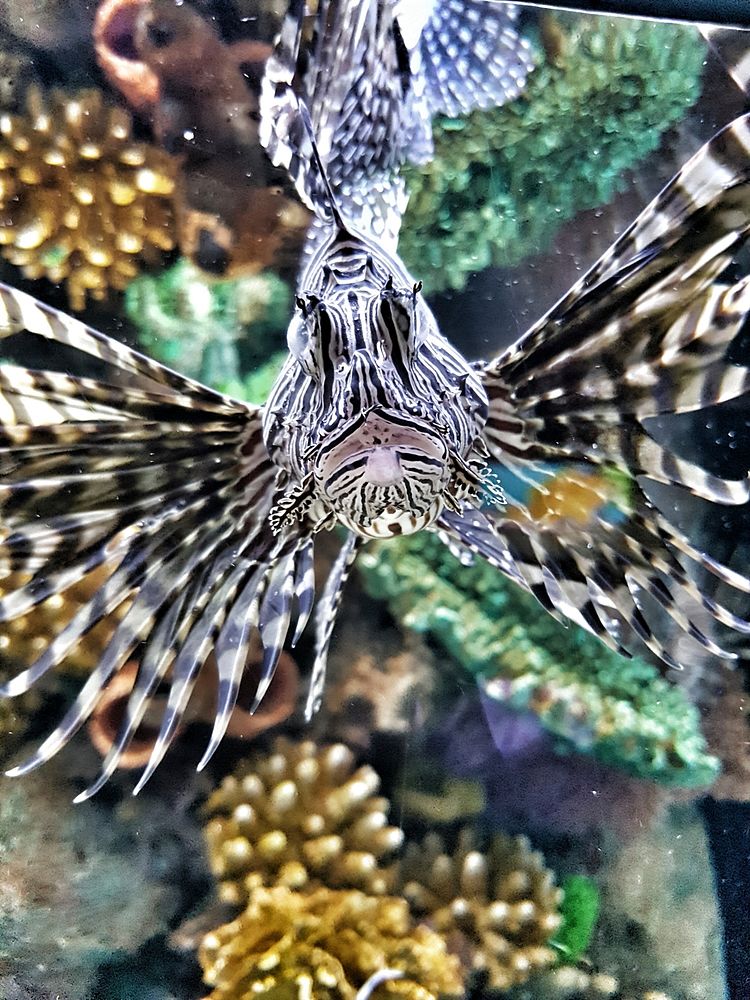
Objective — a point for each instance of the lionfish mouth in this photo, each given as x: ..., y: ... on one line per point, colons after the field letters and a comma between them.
x: 385, y: 477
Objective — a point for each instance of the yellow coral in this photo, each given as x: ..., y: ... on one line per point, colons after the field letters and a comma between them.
x: 25, y: 637
x: 497, y: 909
x: 80, y: 201
x: 568, y: 982
x: 325, y: 945
x: 301, y: 817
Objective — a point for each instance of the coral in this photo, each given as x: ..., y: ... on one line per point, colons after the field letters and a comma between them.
x: 325, y: 944
x: 233, y: 214
x: 300, y: 817
x: 189, y: 322
x: 497, y: 909
x: 277, y: 705
x: 590, y: 698
x: 568, y: 982
x: 502, y: 181
x: 24, y: 638
x: 81, y: 202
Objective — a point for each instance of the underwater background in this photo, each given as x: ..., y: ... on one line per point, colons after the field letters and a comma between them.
x: 493, y: 804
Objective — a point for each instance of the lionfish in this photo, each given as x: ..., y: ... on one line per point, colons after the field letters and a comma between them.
x: 206, y: 509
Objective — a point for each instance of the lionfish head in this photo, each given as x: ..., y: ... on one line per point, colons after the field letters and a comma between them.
x: 386, y: 436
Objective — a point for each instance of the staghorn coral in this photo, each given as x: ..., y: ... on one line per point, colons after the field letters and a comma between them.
x: 592, y: 700
x: 300, y: 817
x: 81, y: 202
x: 325, y: 944
x: 496, y: 909
x: 196, y: 324
x: 502, y: 181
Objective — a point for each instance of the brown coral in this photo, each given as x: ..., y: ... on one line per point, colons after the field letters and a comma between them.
x: 496, y: 909
x: 81, y: 202
x: 300, y: 817
x: 232, y: 214
x: 325, y: 945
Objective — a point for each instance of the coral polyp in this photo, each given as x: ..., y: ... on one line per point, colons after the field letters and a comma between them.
x: 497, y: 908
x: 81, y: 202
x: 300, y: 817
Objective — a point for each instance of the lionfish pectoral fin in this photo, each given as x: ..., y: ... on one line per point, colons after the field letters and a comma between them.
x: 732, y: 49
x: 325, y: 619
x: 166, y: 486
x: 578, y: 409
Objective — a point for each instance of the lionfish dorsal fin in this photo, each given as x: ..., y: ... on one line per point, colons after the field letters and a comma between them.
x: 333, y: 212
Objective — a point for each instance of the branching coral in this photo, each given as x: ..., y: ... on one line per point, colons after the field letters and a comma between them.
x: 497, y: 909
x: 502, y: 181
x: 619, y: 710
x: 325, y: 945
x: 301, y: 817
x: 81, y: 202
x: 296, y: 836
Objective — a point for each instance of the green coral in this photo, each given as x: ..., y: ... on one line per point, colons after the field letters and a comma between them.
x: 502, y: 181
x: 595, y: 701
x: 209, y: 330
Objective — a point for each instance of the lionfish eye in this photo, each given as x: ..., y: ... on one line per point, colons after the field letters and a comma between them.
x: 302, y: 335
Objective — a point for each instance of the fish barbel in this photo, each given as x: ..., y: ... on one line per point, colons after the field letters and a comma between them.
x: 206, y: 509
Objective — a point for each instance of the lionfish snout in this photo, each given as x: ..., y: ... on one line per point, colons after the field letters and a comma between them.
x: 386, y: 476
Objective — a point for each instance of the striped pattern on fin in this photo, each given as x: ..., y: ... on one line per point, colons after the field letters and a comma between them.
x: 349, y: 77
x: 732, y: 49
x: 618, y: 580
x: 167, y: 486
x: 651, y: 331
x: 325, y: 619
